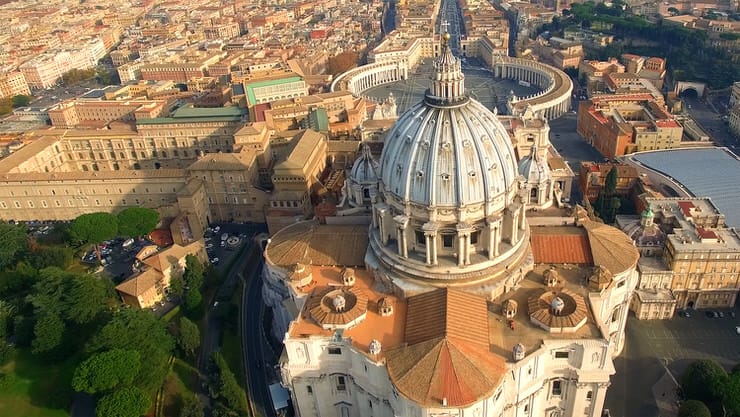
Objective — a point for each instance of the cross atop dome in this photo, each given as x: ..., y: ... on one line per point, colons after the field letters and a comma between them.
x: 447, y: 82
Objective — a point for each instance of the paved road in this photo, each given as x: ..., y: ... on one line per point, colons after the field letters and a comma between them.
x: 711, y: 121
x: 214, y: 327
x: 572, y: 147
x: 651, y: 344
x: 253, y: 339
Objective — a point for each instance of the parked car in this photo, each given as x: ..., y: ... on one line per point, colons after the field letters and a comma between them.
x: 215, y: 261
x: 721, y: 315
x: 709, y: 314
x: 684, y: 313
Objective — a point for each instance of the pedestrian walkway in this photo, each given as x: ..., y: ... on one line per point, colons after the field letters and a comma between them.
x: 666, y: 397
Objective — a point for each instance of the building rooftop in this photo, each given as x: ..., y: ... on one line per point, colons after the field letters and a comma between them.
x: 704, y: 172
x: 311, y: 243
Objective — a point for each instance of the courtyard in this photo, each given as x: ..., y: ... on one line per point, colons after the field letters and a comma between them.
x: 654, y: 346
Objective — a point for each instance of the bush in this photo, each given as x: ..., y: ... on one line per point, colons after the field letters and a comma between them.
x: 693, y: 408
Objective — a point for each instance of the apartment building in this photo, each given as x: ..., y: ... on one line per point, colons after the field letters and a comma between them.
x: 690, y: 258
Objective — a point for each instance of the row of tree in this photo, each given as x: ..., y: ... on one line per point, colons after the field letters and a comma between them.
x: 94, y: 228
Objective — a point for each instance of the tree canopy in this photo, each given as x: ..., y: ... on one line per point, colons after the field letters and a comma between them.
x: 94, y: 227
x: 703, y: 381
x: 137, y: 221
x: 141, y: 331
x: 13, y: 241
x: 693, y: 408
x: 125, y: 402
x: 189, y: 337
x: 106, y: 371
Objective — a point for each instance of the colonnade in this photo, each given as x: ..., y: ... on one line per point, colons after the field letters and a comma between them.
x: 360, y: 79
x: 552, y: 102
x: 488, y: 237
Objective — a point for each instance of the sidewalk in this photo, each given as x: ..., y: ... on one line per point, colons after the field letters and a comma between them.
x: 664, y: 392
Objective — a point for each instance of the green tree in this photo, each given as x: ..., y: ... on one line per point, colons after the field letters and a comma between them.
x: 13, y: 241
x: 189, y: 339
x: 610, y: 183
x: 125, y: 402
x: 20, y: 101
x: 194, y: 271
x: 693, y: 408
x: 48, y: 333
x: 94, y: 227
x: 139, y: 330
x: 78, y: 297
x: 86, y: 297
x: 228, y: 388
x: 731, y: 394
x: 703, y: 380
x: 177, y: 286
x: 106, y: 371
x: 45, y: 256
x: 192, y: 407
x: 137, y: 221
x: 193, y: 298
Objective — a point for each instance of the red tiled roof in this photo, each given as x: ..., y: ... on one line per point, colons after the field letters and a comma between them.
x: 705, y: 234
x: 686, y: 207
x: 561, y: 249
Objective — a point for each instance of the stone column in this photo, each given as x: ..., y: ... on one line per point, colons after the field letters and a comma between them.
x: 466, y: 239
x: 515, y: 227
x: 401, y: 224
x: 460, y: 249
x: 428, y: 247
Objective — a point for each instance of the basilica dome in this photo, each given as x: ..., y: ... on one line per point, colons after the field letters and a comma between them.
x: 448, y: 207
x: 449, y: 150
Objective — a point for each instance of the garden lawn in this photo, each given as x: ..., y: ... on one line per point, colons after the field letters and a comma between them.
x: 181, y: 383
x: 31, y: 388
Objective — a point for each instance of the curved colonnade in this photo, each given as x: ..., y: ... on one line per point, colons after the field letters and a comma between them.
x: 552, y: 102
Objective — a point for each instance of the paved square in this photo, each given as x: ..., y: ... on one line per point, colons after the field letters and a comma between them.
x: 654, y: 345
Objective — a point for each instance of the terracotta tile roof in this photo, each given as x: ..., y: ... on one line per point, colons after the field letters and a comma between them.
x: 388, y: 330
x: 610, y: 247
x: 446, y: 313
x: 446, y: 343
x: 311, y: 243
x: 139, y: 284
x: 560, y: 248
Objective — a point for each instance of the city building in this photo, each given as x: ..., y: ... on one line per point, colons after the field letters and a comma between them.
x: 592, y: 177
x: 690, y: 258
x: 155, y: 270
x: 13, y: 84
x: 449, y: 303
x: 620, y: 124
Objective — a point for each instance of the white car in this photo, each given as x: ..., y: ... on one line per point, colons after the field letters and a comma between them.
x: 737, y: 329
x: 217, y: 229
x: 214, y: 261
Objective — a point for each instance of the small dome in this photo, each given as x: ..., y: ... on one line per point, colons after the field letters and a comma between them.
x: 533, y: 169
x: 365, y: 170
x: 557, y: 304
x: 648, y: 212
x: 518, y: 352
x: 385, y: 308
x: 348, y: 276
x: 338, y: 302
x: 374, y: 347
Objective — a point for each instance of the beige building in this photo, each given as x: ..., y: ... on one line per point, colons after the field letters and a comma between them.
x: 13, y: 84
x: 149, y: 285
x: 690, y: 259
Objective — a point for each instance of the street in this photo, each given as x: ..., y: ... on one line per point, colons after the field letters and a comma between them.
x: 711, y: 121
x: 253, y: 339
